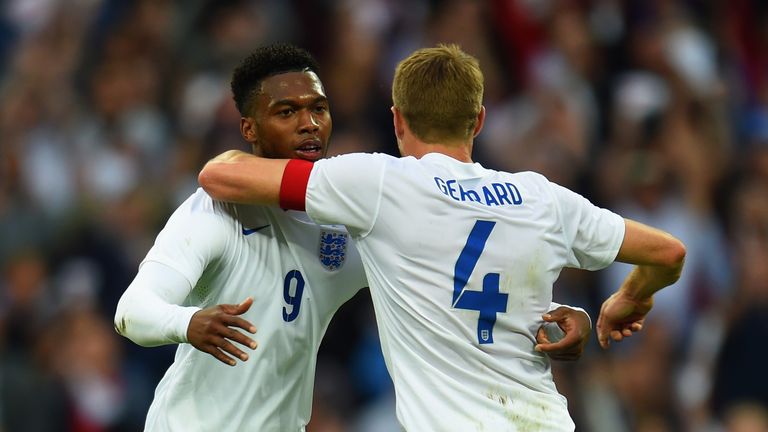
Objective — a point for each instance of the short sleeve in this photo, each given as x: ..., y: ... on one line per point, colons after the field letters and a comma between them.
x: 346, y: 190
x: 594, y: 234
x: 193, y: 237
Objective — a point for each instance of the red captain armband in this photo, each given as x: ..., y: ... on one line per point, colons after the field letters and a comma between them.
x: 293, y: 187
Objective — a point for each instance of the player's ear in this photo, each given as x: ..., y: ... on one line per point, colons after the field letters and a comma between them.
x: 248, y: 129
x: 399, y: 122
x: 480, y: 121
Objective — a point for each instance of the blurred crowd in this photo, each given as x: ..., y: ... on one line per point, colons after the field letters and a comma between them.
x: 656, y: 109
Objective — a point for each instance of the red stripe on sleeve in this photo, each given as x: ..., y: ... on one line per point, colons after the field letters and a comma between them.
x: 293, y: 187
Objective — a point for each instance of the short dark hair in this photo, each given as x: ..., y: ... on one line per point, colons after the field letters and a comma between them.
x: 263, y: 63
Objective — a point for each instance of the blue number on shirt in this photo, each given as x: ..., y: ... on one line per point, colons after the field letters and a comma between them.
x: 293, y: 301
x: 489, y: 301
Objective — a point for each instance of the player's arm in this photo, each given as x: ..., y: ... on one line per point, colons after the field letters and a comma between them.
x: 150, y: 314
x: 565, y: 332
x: 344, y: 189
x: 149, y: 311
x: 240, y: 177
x: 658, y: 259
x: 154, y: 309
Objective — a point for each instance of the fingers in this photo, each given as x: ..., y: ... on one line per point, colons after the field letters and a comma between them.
x: 234, y: 321
x: 237, y: 309
x: 541, y: 337
x: 225, y: 331
x: 239, y: 337
x: 563, y: 313
x: 566, y: 348
x: 219, y: 355
x: 229, y: 347
x: 565, y: 344
x: 603, y: 341
x: 602, y: 337
x: 244, y: 306
x: 216, y: 330
x: 559, y: 351
x: 551, y: 347
x: 219, y: 347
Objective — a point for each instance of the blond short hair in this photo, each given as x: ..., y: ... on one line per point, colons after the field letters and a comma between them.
x: 439, y: 92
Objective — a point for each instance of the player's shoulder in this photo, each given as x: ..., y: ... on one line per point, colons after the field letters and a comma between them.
x: 360, y: 158
x: 199, y: 208
x: 353, y: 168
x: 521, y: 178
x: 199, y: 204
x: 532, y: 179
x: 532, y: 183
x: 530, y: 176
x: 197, y: 223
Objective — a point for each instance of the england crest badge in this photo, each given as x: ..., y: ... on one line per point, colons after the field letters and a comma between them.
x: 333, y: 249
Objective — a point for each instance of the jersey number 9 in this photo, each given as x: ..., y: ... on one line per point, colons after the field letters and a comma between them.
x: 293, y: 301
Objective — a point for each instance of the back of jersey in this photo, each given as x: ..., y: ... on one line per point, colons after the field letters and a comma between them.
x: 461, y: 262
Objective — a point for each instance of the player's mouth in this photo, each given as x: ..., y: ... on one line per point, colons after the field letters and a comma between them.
x: 311, y: 150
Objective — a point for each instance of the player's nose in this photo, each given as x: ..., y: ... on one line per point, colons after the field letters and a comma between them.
x: 308, y: 123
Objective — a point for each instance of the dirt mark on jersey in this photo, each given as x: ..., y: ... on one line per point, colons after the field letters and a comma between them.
x: 521, y: 413
x: 525, y: 284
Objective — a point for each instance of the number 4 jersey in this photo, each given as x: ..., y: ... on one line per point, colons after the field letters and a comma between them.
x: 298, y: 274
x: 461, y: 261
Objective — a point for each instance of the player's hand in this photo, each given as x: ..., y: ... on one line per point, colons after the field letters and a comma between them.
x: 212, y: 330
x: 621, y: 316
x: 577, y: 327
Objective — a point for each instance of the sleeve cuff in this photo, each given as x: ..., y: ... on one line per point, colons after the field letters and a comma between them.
x: 293, y: 187
x: 179, y: 322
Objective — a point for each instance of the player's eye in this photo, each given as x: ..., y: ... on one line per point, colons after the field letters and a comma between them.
x: 287, y: 112
x: 321, y: 109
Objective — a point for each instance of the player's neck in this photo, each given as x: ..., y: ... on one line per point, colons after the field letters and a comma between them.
x: 459, y: 151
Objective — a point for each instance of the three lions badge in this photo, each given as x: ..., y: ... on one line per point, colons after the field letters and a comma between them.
x: 333, y: 249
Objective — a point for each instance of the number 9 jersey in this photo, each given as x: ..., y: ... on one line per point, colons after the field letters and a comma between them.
x: 461, y: 261
x: 298, y: 274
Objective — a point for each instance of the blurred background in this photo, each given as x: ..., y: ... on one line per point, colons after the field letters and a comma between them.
x: 656, y: 109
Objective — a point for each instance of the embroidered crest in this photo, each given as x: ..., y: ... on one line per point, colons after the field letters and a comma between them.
x: 333, y: 249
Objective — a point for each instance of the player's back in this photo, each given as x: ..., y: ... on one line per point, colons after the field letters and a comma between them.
x: 461, y: 262
x: 474, y: 262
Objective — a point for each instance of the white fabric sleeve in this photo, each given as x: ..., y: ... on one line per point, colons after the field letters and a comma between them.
x: 346, y: 190
x: 194, y: 236
x: 594, y: 234
x: 149, y: 311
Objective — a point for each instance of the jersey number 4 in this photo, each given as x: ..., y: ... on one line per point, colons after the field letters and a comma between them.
x: 489, y: 301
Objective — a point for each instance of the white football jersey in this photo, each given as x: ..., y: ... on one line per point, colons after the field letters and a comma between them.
x: 298, y: 274
x: 461, y: 260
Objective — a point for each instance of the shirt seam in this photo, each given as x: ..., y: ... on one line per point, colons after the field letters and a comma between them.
x: 380, y: 196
